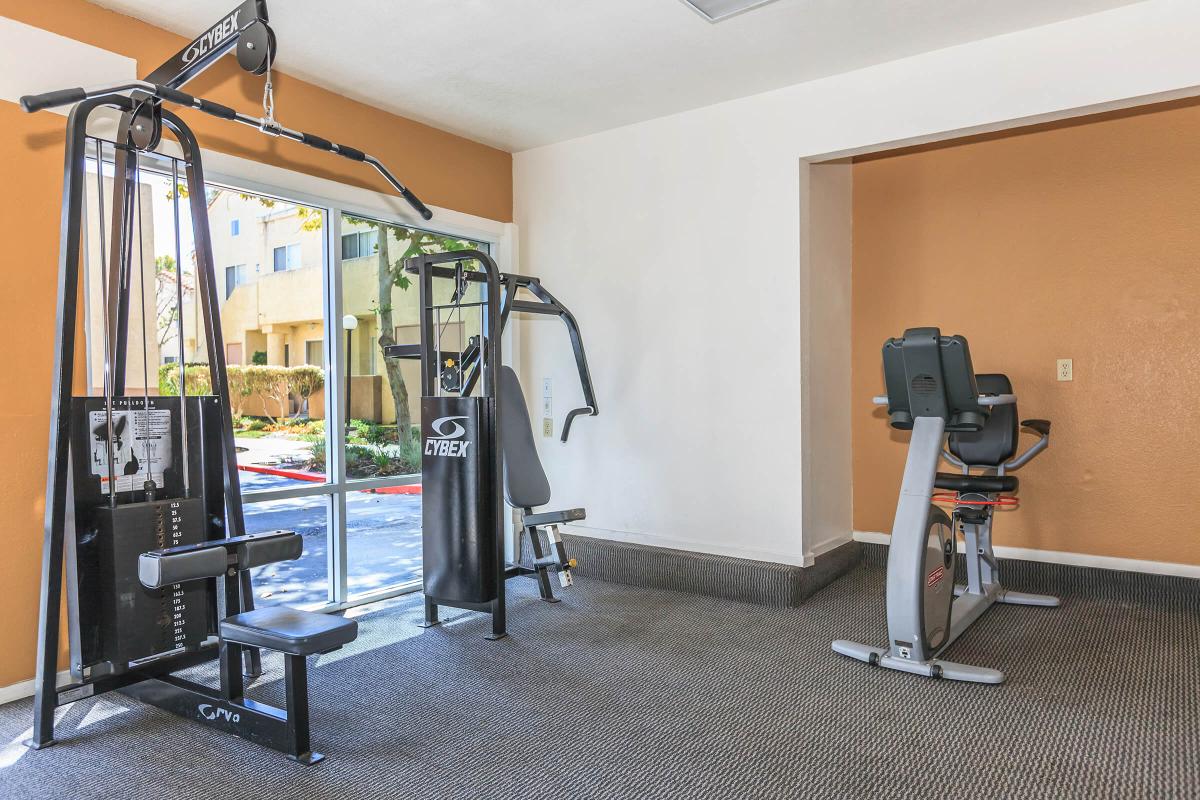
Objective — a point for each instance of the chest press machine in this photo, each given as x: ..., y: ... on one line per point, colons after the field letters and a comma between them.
x: 478, y: 446
x: 143, y: 503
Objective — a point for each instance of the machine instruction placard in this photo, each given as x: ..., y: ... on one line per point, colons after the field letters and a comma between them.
x: 140, y: 443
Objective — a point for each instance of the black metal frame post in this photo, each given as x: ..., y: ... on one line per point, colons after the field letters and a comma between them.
x: 427, y: 267
x: 70, y: 245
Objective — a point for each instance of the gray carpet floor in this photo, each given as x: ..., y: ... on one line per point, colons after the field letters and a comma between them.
x: 620, y: 692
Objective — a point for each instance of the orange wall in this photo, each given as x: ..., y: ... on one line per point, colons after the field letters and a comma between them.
x: 1079, y: 241
x: 442, y: 169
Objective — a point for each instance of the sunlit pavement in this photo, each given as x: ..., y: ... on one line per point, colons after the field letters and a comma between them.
x: 271, y: 450
x: 383, y: 540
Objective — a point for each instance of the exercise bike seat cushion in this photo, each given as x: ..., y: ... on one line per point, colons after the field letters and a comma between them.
x: 983, y: 484
x: 996, y: 442
x: 289, y: 630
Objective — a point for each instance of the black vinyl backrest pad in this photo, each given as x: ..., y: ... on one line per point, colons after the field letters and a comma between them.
x: 996, y: 442
x: 525, y: 482
x: 160, y: 568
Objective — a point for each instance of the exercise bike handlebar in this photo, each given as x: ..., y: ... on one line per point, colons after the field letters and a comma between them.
x: 983, y: 400
x: 62, y: 97
x: 1041, y: 444
x: 1041, y: 426
x: 997, y: 399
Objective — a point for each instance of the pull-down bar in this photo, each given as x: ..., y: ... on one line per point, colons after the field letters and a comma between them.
x: 61, y: 97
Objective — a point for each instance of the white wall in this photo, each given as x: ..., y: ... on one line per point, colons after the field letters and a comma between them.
x: 33, y: 61
x: 680, y: 244
x: 825, y: 269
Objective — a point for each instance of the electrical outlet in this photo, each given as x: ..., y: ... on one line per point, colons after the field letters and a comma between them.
x: 547, y: 427
x: 1065, y: 371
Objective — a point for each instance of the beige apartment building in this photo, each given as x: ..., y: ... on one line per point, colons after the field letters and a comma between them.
x: 141, y: 365
x: 268, y: 261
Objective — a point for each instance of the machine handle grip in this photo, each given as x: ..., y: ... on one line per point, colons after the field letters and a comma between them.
x: 61, y: 97
x: 571, y: 415
x: 1040, y: 426
x: 174, y: 95
x: 319, y: 142
x: 352, y: 153
x: 997, y: 399
x: 416, y: 203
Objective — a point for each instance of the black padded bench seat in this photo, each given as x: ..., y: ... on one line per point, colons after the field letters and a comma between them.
x: 986, y: 484
x: 289, y: 630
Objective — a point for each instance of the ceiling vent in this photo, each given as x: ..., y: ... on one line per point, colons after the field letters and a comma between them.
x: 717, y: 10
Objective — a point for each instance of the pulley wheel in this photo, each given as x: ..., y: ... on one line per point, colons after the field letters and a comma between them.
x: 145, y: 129
x: 256, y: 47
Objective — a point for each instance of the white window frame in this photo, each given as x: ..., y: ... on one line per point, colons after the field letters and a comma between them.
x: 359, y: 236
x: 240, y: 278
x: 307, y: 342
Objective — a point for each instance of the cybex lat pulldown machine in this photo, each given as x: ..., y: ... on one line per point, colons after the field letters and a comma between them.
x: 143, y: 504
x: 933, y: 391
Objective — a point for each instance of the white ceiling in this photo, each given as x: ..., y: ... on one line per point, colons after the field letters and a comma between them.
x: 521, y: 73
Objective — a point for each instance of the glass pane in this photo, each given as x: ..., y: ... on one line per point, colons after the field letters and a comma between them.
x: 153, y: 314
x: 383, y: 536
x: 268, y: 318
x: 384, y: 395
x: 349, y: 245
x: 303, y: 582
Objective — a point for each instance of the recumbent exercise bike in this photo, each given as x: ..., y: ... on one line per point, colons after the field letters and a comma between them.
x: 933, y: 391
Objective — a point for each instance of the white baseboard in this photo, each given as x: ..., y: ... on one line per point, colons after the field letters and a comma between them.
x: 1070, y: 559
x: 19, y: 691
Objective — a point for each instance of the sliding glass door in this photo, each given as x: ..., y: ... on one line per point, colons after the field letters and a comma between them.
x: 326, y: 428
x: 382, y: 445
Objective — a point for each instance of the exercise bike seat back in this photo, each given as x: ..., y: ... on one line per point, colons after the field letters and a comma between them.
x: 525, y: 481
x: 996, y: 442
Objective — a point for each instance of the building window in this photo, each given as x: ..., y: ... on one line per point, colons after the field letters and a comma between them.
x: 314, y: 353
x: 235, y: 276
x: 360, y: 244
x: 235, y: 227
x: 287, y: 257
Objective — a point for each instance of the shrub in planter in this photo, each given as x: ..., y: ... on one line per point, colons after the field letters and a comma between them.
x: 198, y: 379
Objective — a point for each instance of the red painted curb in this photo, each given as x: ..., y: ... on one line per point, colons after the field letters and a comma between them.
x: 313, y: 477
x: 412, y: 488
x: 284, y: 473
